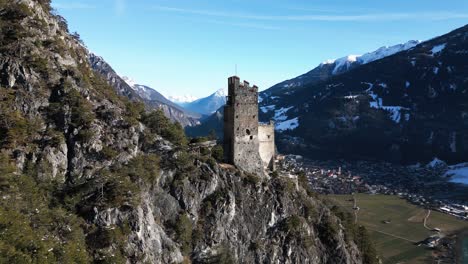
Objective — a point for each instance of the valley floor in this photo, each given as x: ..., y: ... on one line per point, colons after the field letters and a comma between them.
x: 398, y: 227
x: 426, y: 186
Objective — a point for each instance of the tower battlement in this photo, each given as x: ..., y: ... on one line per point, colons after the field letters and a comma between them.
x: 246, y: 144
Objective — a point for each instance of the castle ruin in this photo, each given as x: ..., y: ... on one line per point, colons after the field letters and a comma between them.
x: 247, y: 144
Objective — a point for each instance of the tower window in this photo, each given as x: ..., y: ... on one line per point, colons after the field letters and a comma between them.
x: 247, y: 131
x: 254, y: 116
x: 268, y: 136
x: 251, y: 137
x: 237, y: 116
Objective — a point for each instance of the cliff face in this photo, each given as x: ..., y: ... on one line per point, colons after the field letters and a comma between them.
x: 86, y: 175
x: 215, y: 215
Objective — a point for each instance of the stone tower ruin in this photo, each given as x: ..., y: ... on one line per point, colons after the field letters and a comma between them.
x: 247, y: 144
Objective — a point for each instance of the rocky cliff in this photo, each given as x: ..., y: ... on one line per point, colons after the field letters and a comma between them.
x: 88, y: 176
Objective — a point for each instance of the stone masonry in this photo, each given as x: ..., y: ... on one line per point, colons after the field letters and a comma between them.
x: 247, y: 145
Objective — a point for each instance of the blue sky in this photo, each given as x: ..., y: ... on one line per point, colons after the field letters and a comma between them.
x: 190, y: 47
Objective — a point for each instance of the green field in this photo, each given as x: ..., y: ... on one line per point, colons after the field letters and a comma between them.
x: 395, y: 240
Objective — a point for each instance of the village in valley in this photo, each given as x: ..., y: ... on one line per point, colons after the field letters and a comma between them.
x: 376, y: 192
x: 424, y: 186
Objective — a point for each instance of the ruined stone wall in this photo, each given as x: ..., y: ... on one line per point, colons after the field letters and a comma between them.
x: 241, y: 126
x: 266, y: 140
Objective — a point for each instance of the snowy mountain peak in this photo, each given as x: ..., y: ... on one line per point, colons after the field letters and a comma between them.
x: 129, y: 81
x: 329, y: 61
x: 220, y: 93
x: 387, y: 51
x: 209, y: 104
x: 343, y: 64
x: 182, y: 99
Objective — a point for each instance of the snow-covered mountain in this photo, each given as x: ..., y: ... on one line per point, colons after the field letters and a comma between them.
x: 129, y: 81
x: 208, y: 105
x: 144, y: 91
x: 405, y: 103
x: 333, y: 67
x: 182, y: 99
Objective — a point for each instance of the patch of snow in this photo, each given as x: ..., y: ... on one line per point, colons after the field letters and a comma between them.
x: 407, y: 84
x: 458, y: 173
x: 187, y: 98
x: 344, y: 62
x: 131, y: 82
x: 438, y: 48
x: 290, y: 124
x: 413, y: 63
x: 351, y: 96
x: 260, y: 99
x: 280, y: 113
x: 436, y: 70
x: 384, y: 85
x: 371, y: 85
x: 329, y: 61
x: 375, y: 98
x: 387, y: 51
x: 274, y: 97
x: 395, y: 111
x: 266, y: 109
x: 292, y: 84
x: 220, y: 93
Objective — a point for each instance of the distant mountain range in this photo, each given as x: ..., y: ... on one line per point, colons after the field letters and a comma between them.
x: 404, y: 103
x: 182, y: 99
x: 153, y: 99
x: 207, y: 105
x: 182, y: 109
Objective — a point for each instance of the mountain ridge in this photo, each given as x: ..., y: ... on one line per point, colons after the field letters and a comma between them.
x: 208, y: 105
x: 332, y: 67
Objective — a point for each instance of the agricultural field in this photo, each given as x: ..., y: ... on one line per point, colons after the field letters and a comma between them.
x: 396, y: 225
